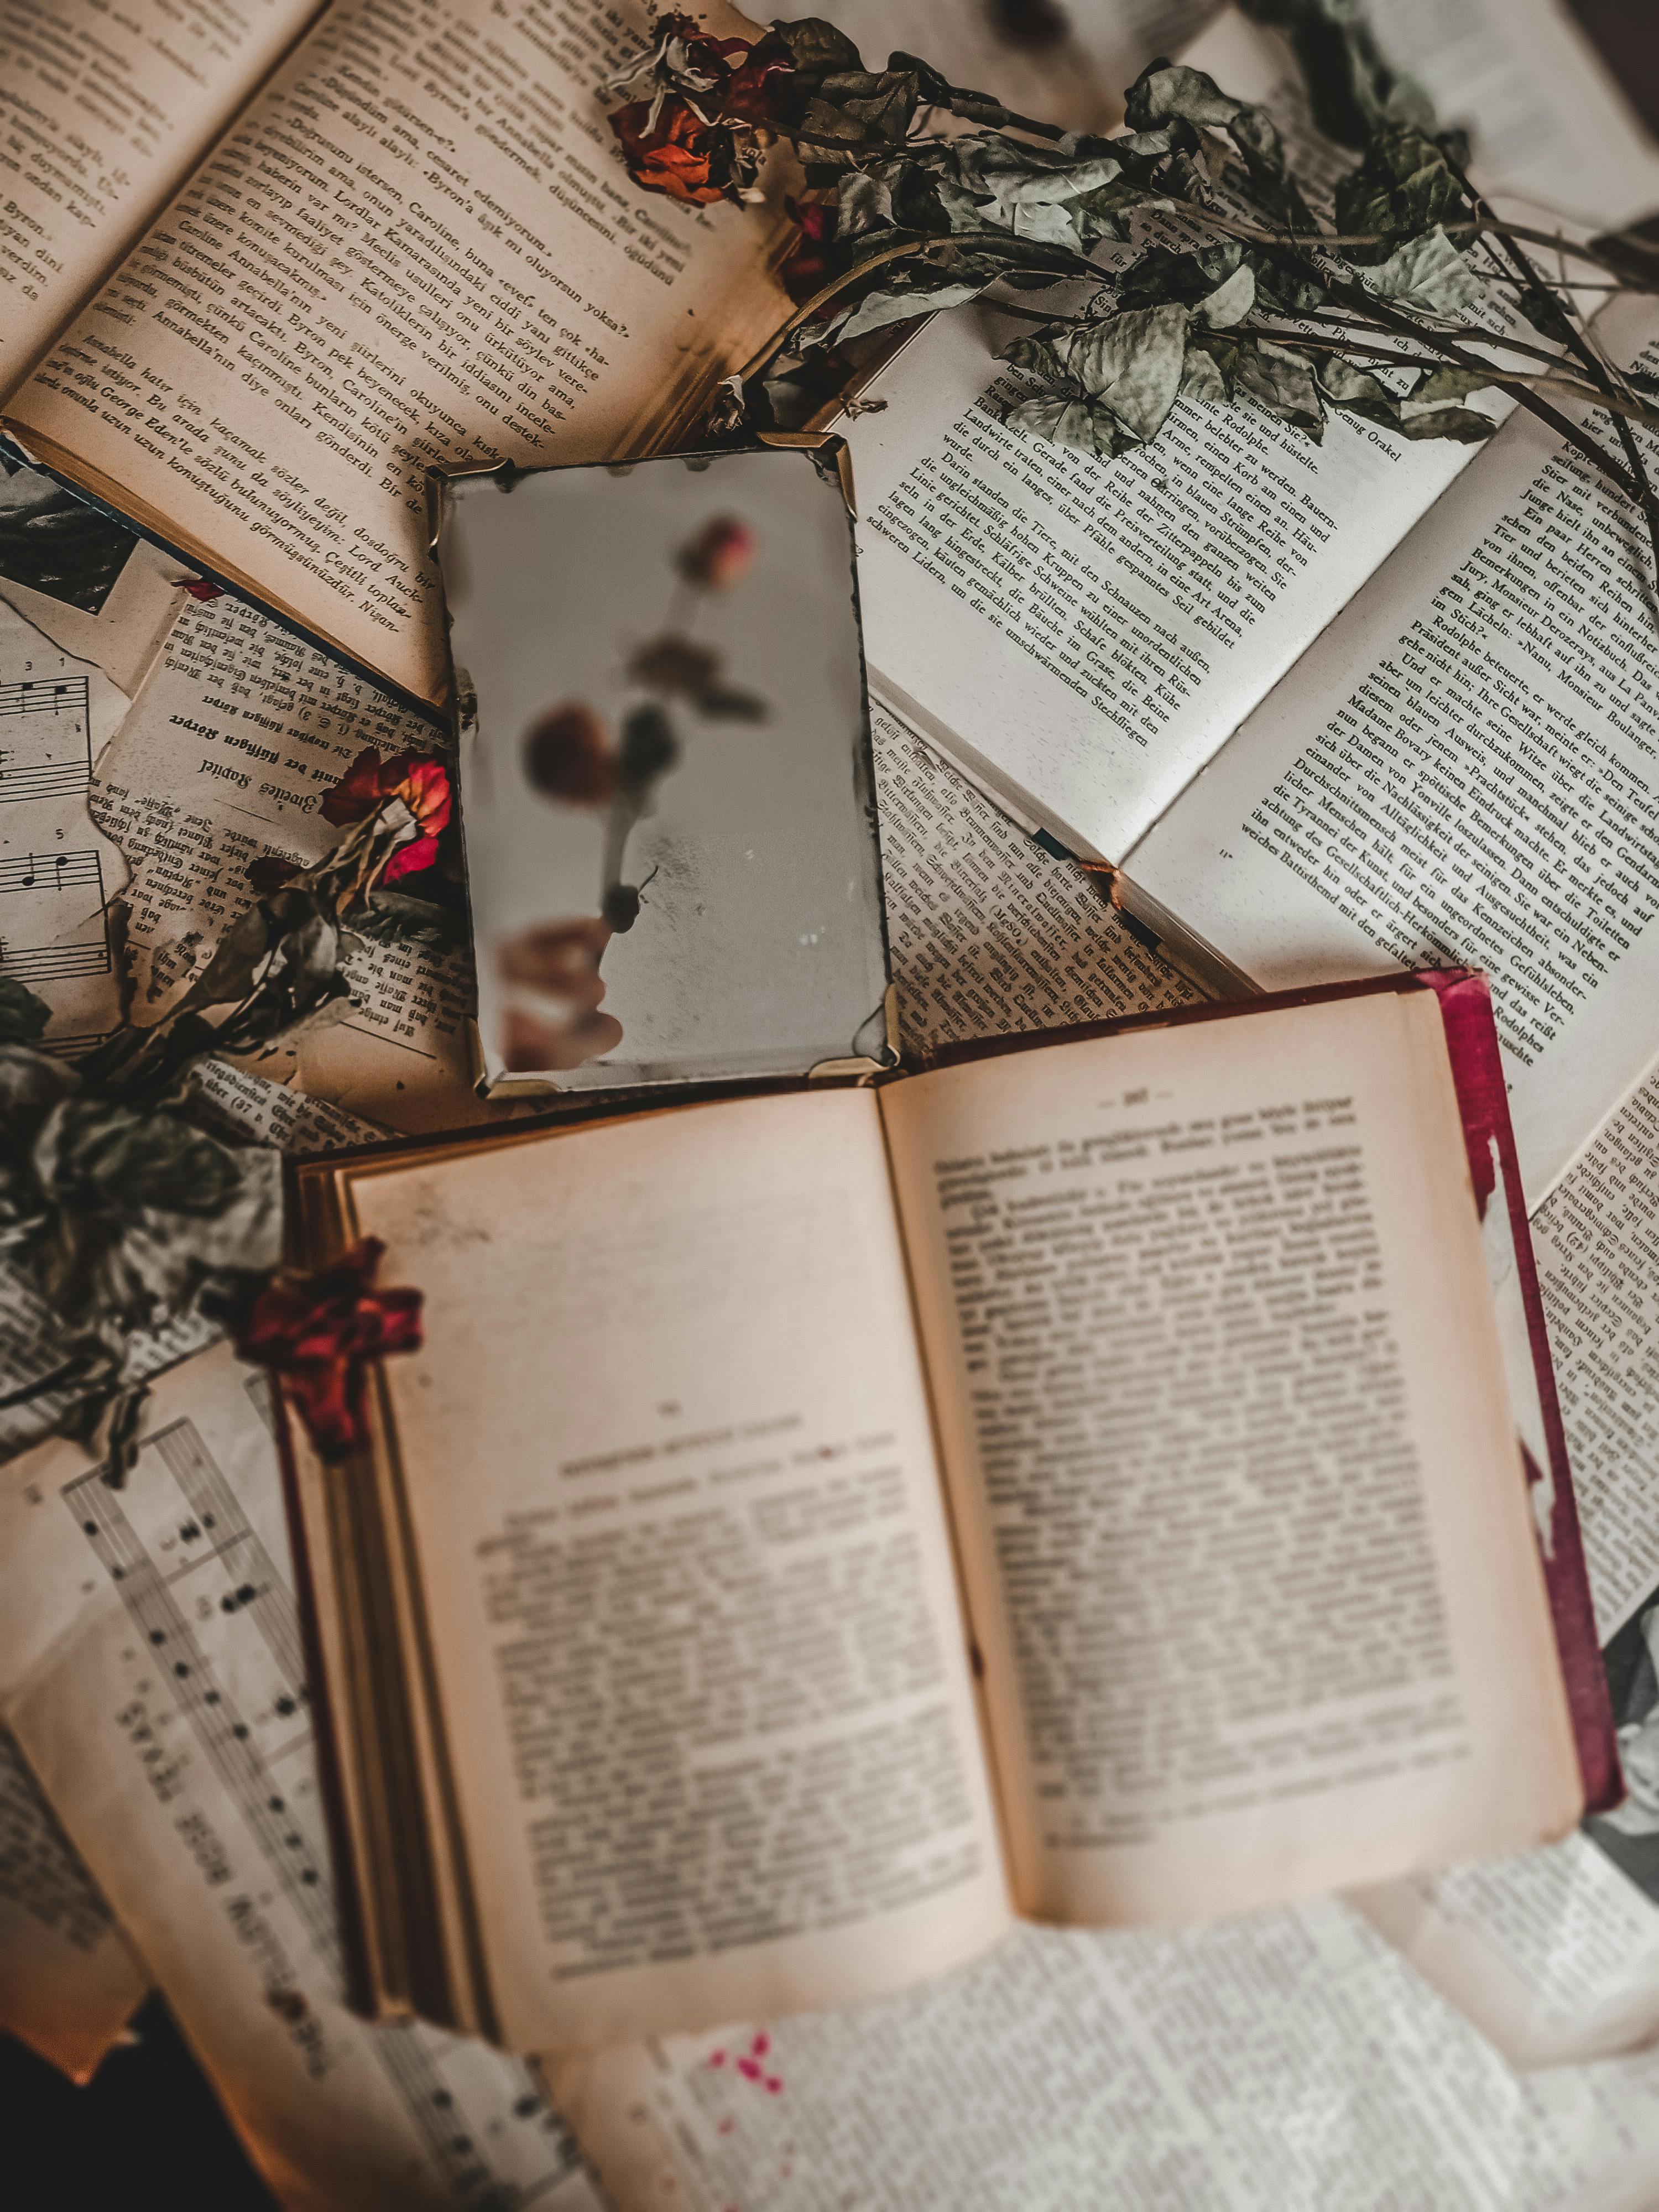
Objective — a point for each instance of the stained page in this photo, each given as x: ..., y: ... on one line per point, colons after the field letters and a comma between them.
x: 1463, y: 771
x: 1223, y: 1412
x: 106, y: 111
x: 68, y: 1981
x: 987, y: 932
x: 151, y: 1666
x: 226, y: 756
x: 715, y: 1578
x: 1284, y: 2064
x: 57, y: 869
x: 417, y: 245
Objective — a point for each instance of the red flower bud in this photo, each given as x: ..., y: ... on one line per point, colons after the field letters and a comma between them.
x: 718, y: 555
x: 317, y: 1329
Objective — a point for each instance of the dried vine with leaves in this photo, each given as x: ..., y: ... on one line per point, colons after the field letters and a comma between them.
x: 1184, y: 258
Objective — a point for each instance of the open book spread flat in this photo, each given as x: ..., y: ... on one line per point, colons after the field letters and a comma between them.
x: 656, y: 1698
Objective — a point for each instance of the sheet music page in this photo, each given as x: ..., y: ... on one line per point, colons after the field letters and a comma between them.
x: 68, y: 1981
x: 57, y: 870
x: 989, y: 932
x: 1290, y: 2064
x: 226, y: 755
x: 151, y: 1667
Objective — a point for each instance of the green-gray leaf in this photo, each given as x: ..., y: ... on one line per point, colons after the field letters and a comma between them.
x: 1428, y: 275
x: 876, y: 309
x: 1132, y: 365
x: 1084, y: 423
x: 1230, y: 302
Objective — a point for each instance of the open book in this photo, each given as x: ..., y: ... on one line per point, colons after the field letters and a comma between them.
x: 1323, y: 709
x: 321, y: 248
x: 1079, y: 1482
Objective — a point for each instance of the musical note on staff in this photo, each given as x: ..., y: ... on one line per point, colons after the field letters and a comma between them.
x: 54, y: 760
x: 45, y: 696
x: 51, y: 872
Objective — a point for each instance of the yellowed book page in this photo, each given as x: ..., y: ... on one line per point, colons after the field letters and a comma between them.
x: 418, y: 247
x: 152, y: 1667
x: 68, y: 1981
x: 701, y: 1664
x: 104, y: 112
x: 225, y: 757
x: 1222, y: 1405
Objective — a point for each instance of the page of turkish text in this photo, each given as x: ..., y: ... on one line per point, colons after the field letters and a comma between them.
x: 418, y: 247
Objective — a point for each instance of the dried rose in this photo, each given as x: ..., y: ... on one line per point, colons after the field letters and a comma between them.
x: 675, y: 664
x: 420, y: 781
x: 409, y: 860
x: 719, y: 556
x: 567, y: 755
x: 669, y: 149
x: 316, y: 1330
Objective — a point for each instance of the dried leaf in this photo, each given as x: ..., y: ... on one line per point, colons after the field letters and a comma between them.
x: 1428, y: 275
x: 1132, y: 365
x: 1401, y: 188
x: 1084, y: 423
x: 23, y: 1017
x: 1230, y: 302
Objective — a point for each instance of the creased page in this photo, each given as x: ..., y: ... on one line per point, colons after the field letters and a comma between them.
x: 682, y: 1543
x: 68, y: 1981
x: 1223, y: 1411
x: 151, y: 1667
x: 987, y: 932
x: 226, y: 758
x: 1464, y: 770
x: 417, y: 246
x: 1286, y: 2064
x: 106, y: 109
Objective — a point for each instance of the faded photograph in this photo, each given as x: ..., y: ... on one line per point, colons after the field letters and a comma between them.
x: 666, y: 795
x: 56, y: 544
x: 1630, y: 1833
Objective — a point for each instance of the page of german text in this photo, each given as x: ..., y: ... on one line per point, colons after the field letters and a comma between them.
x: 1222, y: 1407
x: 701, y: 1666
x: 1464, y: 769
x: 417, y: 247
x: 107, y: 111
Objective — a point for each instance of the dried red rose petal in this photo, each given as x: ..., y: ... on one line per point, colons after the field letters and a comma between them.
x: 420, y: 781
x: 680, y: 155
x: 317, y: 1329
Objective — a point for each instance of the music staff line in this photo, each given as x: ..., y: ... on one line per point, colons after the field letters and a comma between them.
x: 55, y: 774
x: 51, y: 873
